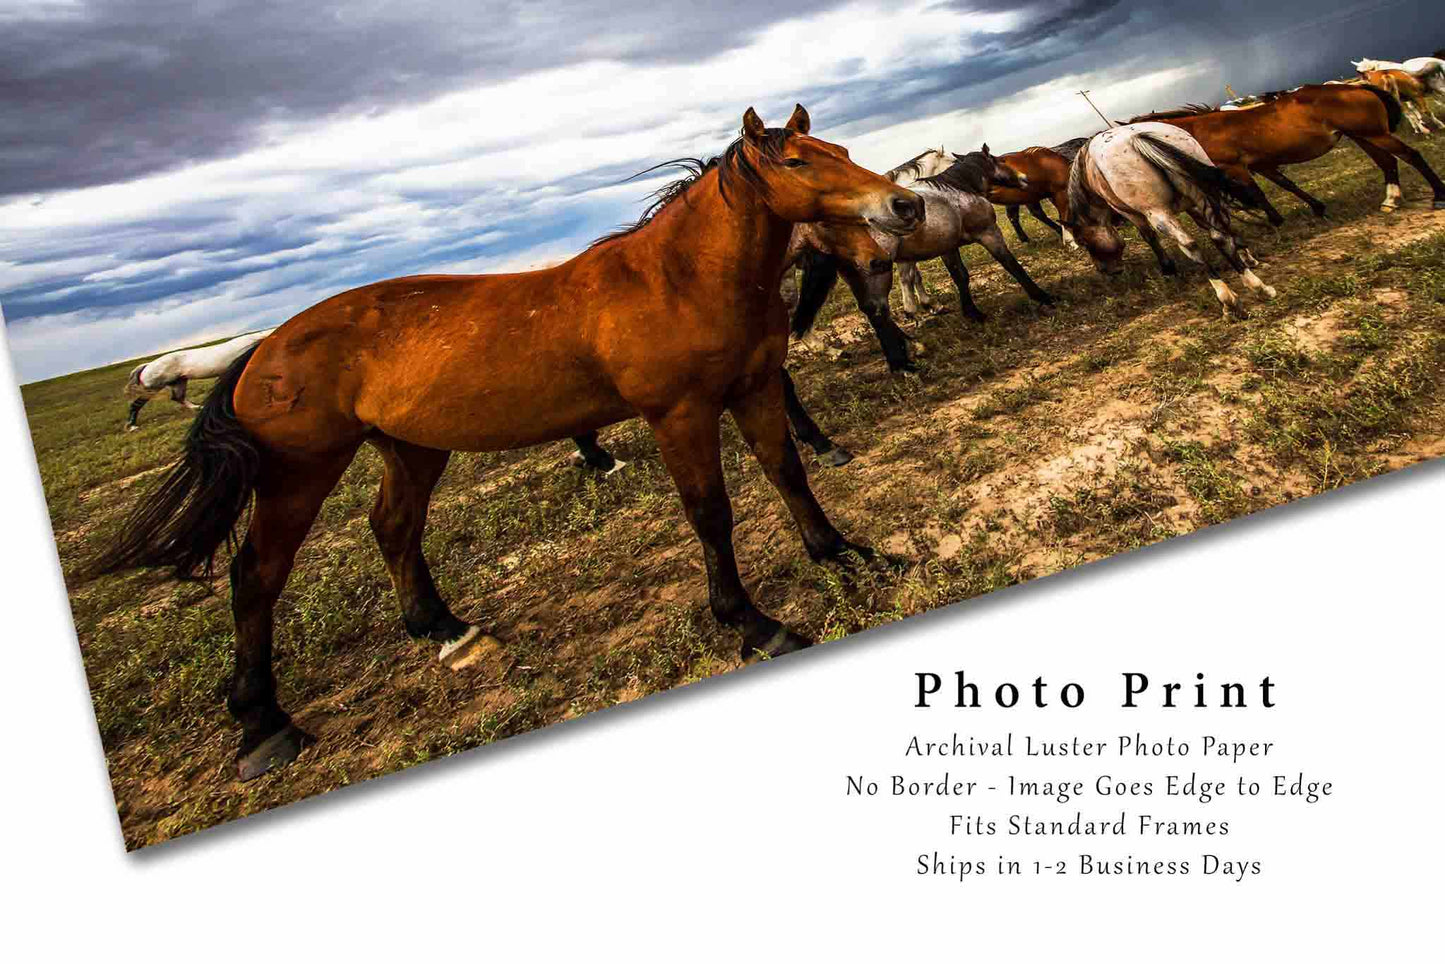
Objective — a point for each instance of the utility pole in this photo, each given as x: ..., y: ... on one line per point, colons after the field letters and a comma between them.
x: 1085, y: 94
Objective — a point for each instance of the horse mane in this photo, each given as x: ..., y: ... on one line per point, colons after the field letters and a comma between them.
x: 910, y: 166
x: 1068, y: 148
x: 732, y: 163
x: 966, y: 174
x: 1082, y: 198
x: 1188, y: 110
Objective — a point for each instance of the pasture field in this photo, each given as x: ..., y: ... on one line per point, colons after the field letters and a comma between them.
x: 1129, y: 413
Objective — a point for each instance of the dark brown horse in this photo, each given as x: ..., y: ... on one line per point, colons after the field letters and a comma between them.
x: 1298, y: 126
x: 676, y: 320
x: 1046, y: 173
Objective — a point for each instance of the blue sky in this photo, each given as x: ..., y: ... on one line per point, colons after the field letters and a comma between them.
x: 171, y: 172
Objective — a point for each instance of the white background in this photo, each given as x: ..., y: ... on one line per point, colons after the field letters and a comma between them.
x: 711, y: 822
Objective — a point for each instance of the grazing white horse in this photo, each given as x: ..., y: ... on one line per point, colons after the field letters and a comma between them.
x: 174, y: 369
x: 1149, y: 173
x: 1428, y: 70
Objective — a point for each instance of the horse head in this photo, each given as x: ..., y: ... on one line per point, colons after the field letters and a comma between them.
x: 802, y: 178
x: 999, y: 173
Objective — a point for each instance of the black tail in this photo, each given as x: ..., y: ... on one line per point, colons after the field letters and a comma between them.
x: 183, y: 521
x: 1392, y: 104
x: 1218, y: 189
x: 820, y: 273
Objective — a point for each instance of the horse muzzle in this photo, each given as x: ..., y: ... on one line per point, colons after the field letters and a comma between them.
x: 903, y: 214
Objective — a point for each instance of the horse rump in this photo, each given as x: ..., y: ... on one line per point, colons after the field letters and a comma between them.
x: 1190, y: 175
x: 1394, y: 110
x: 183, y: 521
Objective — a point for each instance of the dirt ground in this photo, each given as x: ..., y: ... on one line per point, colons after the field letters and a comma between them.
x: 1130, y: 412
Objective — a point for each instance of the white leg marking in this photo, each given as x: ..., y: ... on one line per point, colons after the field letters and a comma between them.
x: 1392, y: 197
x: 1224, y: 293
x: 1252, y: 279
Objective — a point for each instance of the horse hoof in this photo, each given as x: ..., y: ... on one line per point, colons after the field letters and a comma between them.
x: 1390, y: 208
x: 469, y: 650
x: 617, y: 466
x: 132, y: 428
x: 836, y: 456
x: 841, y: 555
x: 783, y: 642
x: 275, y: 751
x: 1269, y: 292
x: 1440, y: 204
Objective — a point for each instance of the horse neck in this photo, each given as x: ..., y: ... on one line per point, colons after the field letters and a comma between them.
x: 741, y: 240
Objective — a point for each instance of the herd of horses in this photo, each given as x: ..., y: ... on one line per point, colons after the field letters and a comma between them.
x: 676, y: 320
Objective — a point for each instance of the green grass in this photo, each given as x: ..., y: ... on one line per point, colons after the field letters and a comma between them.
x: 1040, y: 440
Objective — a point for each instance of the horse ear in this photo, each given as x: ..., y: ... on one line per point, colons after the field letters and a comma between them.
x: 985, y: 150
x: 800, y: 122
x: 753, y: 127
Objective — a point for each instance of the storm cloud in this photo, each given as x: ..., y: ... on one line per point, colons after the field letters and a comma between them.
x: 171, y: 171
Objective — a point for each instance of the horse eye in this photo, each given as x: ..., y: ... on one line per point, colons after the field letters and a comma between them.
x: 795, y: 162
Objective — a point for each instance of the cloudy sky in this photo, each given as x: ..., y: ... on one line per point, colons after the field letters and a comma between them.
x: 180, y: 170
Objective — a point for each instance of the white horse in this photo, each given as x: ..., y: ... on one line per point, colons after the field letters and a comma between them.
x: 1149, y: 173
x: 1428, y: 70
x: 174, y: 369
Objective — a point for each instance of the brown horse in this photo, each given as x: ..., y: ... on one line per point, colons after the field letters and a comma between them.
x: 1046, y: 173
x: 1411, y: 92
x: 677, y: 320
x: 1298, y: 126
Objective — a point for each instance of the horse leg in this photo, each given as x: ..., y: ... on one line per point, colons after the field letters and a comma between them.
x: 289, y: 493
x: 1166, y: 224
x: 1240, y: 175
x: 1430, y: 109
x: 178, y: 394
x: 871, y: 290
x: 759, y: 416
x: 1317, y: 206
x: 1412, y: 114
x: 1151, y: 238
x: 1061, y: 205
x: 688, y: 438
x: 1389, y: 166
x: 993, y: 242
x: 911, y: 287
x: 398, y: 517
x: 820, y: 274
x: 905, y: 271
x: 1013, y: 216
x: 958, y: 271
x: 1228, y: 245
x: 135, y: 406
x: 1386, y: 150
x: 807, y: 430
x: 1037, y: 210
x: 592, y: 455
